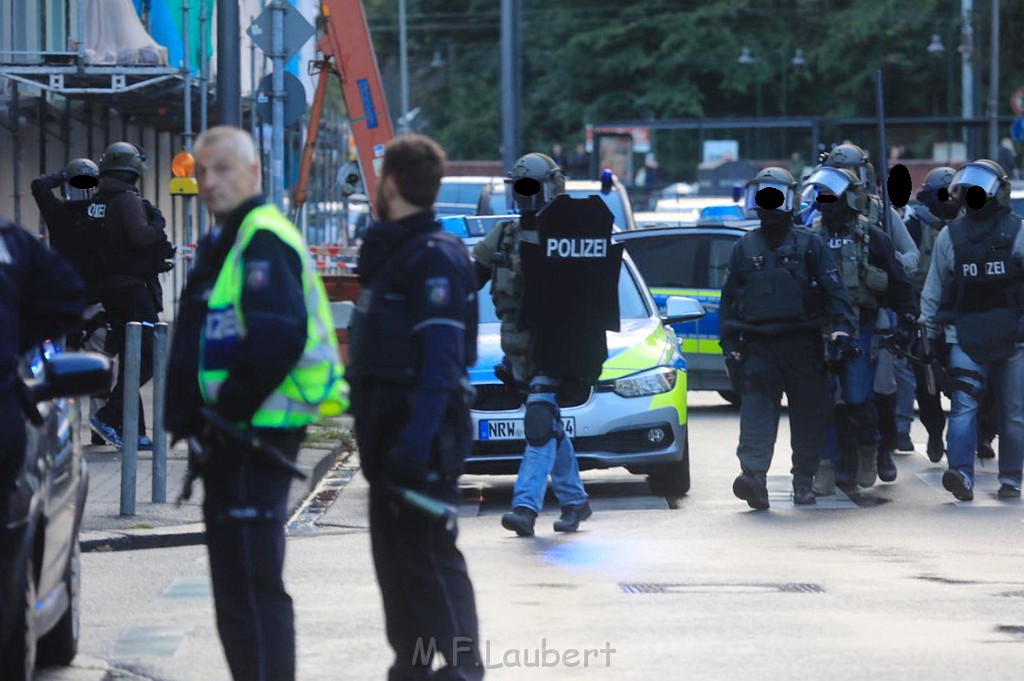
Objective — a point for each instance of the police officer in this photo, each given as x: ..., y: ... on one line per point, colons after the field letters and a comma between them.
x: 131, y: 245
x: 927, y: 215
x: 783, y: 289
x: 254, y: 343
x: 974, y: 290
x: 874, y: 279
x: 890, y: 370
x: 41, y: 297
x: 413, y: 339
x: 77, y: 237
x: 548, y: 451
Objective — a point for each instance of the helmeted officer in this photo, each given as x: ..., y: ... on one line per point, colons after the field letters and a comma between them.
x: 254, y: 342
x: 532, y: 183
x: 131, y: 245
x: 890, y: 371
x: 783, y: 289
x: 413, y: 339
x: 72, y: 232
x: 974, y: 290
x: 41, y: 297
x: 927, y: 215
x: 78, y: 237
x: 875, y: 279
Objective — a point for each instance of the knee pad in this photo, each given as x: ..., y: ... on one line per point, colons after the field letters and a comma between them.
x: 540, y: 422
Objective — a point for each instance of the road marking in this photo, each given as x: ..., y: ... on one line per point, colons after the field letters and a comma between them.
x: 184, y: 589
x: 780, y: 493
x: 161, y: 640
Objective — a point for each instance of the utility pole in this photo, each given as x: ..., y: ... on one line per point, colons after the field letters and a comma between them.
x: 966, y: 70
x: 277, y: 85
x: 403, y: 65
x: 511, y: 78
x: 993, y: 89
x: 229, y: 65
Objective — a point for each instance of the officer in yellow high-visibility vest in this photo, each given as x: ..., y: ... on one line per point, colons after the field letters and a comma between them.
x: 255, y: 342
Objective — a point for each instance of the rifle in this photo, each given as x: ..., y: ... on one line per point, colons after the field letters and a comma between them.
x: 247, y: 439
x: 923, y: 357
x: 883, y: 155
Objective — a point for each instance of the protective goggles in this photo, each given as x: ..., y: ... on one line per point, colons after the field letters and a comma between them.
x: 975, y: 176
x: 752, y: 188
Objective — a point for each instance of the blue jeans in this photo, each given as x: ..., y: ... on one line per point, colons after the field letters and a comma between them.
x: 856, y: 419
x: 556, y: 457
x: 1007, y: 379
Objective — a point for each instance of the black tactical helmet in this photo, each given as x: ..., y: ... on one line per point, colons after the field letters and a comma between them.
x: 80, y: 179
x: 533, y: 181
x: 775, y: 178
x: 986, y: 174
x: 123, y: 156
x: 840, y: 182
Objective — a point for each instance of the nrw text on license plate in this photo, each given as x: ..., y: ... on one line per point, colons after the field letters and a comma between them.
x: 513, y: 429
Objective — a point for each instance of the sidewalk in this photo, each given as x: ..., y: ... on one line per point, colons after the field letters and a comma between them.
x: 166, y: 524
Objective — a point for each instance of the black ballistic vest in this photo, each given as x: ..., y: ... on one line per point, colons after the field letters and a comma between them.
x: 985, y: 300
x: 777, y: 283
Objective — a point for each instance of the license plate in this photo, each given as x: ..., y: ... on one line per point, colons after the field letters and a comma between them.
x: 512, y: 429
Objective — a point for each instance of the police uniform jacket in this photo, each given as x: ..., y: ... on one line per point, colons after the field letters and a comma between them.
x: 274, y: 306
x: 71, y: 232
x: 413, y: 338
x: 130, y: 238
x: 817, y: 266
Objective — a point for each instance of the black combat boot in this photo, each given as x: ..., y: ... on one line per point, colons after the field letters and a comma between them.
x: 886, y: 466
x: 935, y: 448
x: 572, y: 516
x: 803, y: 494
x: 520, y: 520
x: 752, y: 488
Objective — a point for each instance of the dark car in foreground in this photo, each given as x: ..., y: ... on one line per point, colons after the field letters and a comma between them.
x: 40, y: 514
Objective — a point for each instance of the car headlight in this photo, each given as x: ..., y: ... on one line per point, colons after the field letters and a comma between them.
x: 652, y: 382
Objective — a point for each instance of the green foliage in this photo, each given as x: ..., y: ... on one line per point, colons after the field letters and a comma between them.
x: 592, y: 60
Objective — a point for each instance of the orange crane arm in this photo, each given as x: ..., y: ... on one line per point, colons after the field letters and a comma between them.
x: 348, y: 52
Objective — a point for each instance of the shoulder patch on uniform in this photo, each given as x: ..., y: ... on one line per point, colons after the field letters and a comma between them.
x: 833, y: 276
x: 438, y: 291
x: 257, y: 274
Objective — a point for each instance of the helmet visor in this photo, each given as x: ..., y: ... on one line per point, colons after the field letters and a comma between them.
x: 752, y: 188
x: 975, y: 176
x: 829, y: 179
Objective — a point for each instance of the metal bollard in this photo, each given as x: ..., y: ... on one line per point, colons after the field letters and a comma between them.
x: 159, y: 398
x: 130, y: 416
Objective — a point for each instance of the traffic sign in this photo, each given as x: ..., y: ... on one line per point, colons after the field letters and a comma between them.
x: 294, y: 99
x: 1017, y: 101
x: 296, y: 30
x: 1017, y: 130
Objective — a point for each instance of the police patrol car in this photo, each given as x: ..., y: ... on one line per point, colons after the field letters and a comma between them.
x: 635, y: 416
x: 693, y: 262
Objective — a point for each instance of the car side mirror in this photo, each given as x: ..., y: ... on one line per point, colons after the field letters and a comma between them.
x: 70, y: 374
x: 680, y: 309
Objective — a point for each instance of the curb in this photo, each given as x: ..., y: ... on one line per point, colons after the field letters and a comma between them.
x: 193, y: 533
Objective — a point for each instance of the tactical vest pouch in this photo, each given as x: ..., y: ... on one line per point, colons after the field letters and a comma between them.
x: 988, y: 336
x: 876, y: 279
x: 773, y: 295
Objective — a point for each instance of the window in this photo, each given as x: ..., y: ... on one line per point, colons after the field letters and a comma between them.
x: 668, y: 261
x: 719, y: 253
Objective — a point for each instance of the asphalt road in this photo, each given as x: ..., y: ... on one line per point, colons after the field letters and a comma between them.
x: 898, y: 583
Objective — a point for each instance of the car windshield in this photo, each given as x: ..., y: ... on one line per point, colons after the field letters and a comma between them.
x: 666, y: 261
x: 612, y: 199
x: 459, y: 197
x: 631, y: 301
